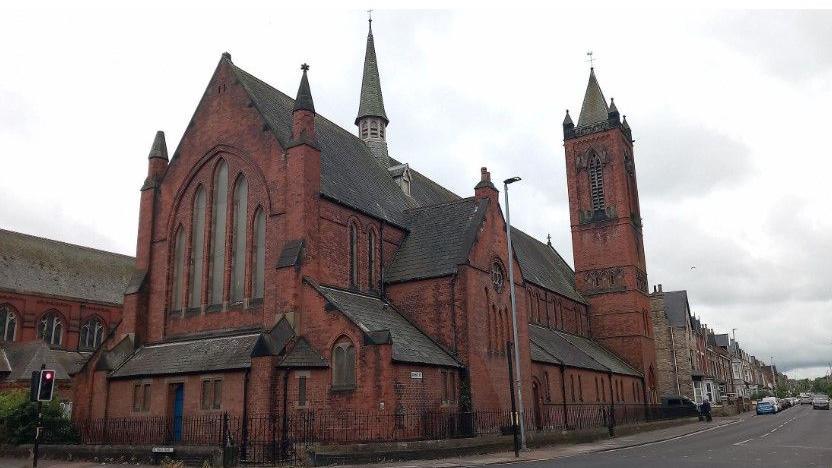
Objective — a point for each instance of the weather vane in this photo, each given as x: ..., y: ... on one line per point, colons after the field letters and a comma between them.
x: 370, y: 15
x: 590, y: 59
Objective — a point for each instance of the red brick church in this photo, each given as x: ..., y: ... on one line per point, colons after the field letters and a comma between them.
x: 283, y: 261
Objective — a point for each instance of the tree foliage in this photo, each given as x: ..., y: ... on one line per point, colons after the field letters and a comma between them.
x: 19, y: 417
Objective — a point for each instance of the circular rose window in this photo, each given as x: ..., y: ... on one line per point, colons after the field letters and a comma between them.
x: 498, y: 278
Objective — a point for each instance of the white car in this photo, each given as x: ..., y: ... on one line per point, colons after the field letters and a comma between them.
x: 774, y: 402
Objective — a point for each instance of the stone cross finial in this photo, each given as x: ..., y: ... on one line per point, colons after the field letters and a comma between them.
x: 304, y: 67
x: 590, y: 59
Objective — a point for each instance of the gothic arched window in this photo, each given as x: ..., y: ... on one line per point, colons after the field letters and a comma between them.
x: 8, y: 323
x: 197, y: 249
x: 343, y: 364
x: 51, y: 329
x: 218, y: 214
x: 259, y: 255
x: 371, y: 260
x: 92, y: 333
x: 238, y: 254
x: 176, y: 298
x: 353, y: 255
x: 498, y: 276
x: 596, y: 183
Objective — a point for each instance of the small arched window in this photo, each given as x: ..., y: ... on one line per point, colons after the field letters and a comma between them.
x: 238, y: 255
x: 197, y: 249
x: 176, y: 298
x: 596, y: 183
x: 259, y: 255
x: 343, y: 364
x: 51, y: 329
x: 353, y: 255
x: 8, y: 323
x: 371, y: 260
x: 92, y: 333
x: 218, y: 212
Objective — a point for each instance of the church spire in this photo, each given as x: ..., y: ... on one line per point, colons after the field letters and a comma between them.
x: 372, y: 120
x: 303, y: 114
x: 304, y: 98
x: 594, y: 108
x: 372, y: 102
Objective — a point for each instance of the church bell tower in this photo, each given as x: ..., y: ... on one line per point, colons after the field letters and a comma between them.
x: 610, y: 269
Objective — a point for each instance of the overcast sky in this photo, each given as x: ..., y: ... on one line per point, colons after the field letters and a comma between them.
x: 730, y: 112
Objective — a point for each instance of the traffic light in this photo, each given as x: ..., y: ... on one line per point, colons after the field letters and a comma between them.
x: 43, y: 385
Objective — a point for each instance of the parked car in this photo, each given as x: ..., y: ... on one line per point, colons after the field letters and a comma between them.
x: 820, y: 403
x: 806, y: 400
x: 676, y: 401
x: 765, y: 407
x: 774, y: 403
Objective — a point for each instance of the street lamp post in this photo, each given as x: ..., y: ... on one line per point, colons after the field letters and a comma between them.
x: 514, y: 318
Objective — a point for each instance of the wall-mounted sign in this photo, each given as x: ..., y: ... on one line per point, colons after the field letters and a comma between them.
x: 415, y: 375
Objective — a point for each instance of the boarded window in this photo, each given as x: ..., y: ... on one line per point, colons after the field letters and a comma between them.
x: 211, y: 394
x: 343, y: 365
x: 238, y: 255
x: 218, y: 217
x: 141, y: 397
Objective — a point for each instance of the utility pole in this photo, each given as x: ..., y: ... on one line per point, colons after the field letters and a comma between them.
x: 517, y: 386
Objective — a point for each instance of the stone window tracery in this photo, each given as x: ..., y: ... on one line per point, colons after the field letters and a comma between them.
x: 51, y: 329
x: 343, y: 365
x: 497, y: 276
x: 92, y: 333
x: 8, y: 323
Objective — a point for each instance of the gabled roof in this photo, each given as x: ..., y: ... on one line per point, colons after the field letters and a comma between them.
x: 556, y: 347
x: 440, y: 238
x: 543, y: 266
x: 594, y: 108
x: 24, y: 358
x: 44, y: 266
x: 676, y: 308
x: 377, y: 318
x: 197, y: 355
x: 302, y: 355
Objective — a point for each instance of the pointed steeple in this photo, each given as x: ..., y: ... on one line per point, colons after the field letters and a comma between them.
x: 372, y: 102
x: 304, y: 99
x: 612, y: 106
x: 159, y: 149
x: 568, y: 119
x: 594, y: 108
x: 625, y: 124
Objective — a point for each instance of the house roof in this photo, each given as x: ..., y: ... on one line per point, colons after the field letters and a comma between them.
x: 723, y: 340
x: 676, y: 308
x: 381, y: 322
x: 43, y: 266
x: 21, y: 359
x: 543, y: 266
x: 440, y: 238
x: 198, y: 355
x: 556, y: 347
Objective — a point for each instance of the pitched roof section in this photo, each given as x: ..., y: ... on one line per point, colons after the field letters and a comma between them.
x: 201, y: 355
x: 375, y: 318
x: 559, y: 348
x: 349, y: 172
x: 372, y: 102
x: 600, y: 354
x: 43, y: 266
x: 594, y: 109
x: 303, y: 355
x: 440, y: 238
x: 543, y: 266
x: 24, y: 358
x: 676, y: 308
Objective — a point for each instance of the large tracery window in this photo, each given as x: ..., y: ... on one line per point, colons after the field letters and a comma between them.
x: 178, y: 269
x: 238, y: 255
x: 92, y: 332
x: 343, y: 364
x: 259, y: 255
x: 218, y: 213
x: 596, y: 183
x: 8, y: 323
x: 353, y: 255
x: 197, y: 249
x: 51, y: 329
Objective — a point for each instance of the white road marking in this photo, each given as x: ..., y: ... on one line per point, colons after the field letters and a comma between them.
x: 740, y: 443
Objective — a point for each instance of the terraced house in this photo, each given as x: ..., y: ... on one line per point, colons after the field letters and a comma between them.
x: 286, y: 263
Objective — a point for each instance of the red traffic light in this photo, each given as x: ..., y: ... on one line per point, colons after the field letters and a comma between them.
x: 47, y: 375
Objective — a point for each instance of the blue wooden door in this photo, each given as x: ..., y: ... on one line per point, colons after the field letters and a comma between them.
x: 178, y: 406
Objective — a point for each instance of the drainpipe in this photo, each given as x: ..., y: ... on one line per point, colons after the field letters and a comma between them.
x: 612, y: 408
x: 675, y: 366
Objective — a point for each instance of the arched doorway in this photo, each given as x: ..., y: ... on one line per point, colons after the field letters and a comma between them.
x: 538, y: 405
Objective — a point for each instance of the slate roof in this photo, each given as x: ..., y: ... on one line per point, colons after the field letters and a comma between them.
x: 594, y: 108
x: 44, y: 266
x: 23, y: 358
x: 199, y: 355
x: 723, y: 340
x: 372, y: 102
x: 440, y: 238
x: 303, y: 355
x: 543, y: 266
x: 374, y: 317
x: 676, y: 308
x: 556, y: 347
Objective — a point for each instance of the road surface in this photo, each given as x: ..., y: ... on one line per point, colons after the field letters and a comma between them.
x: 796, y: 437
